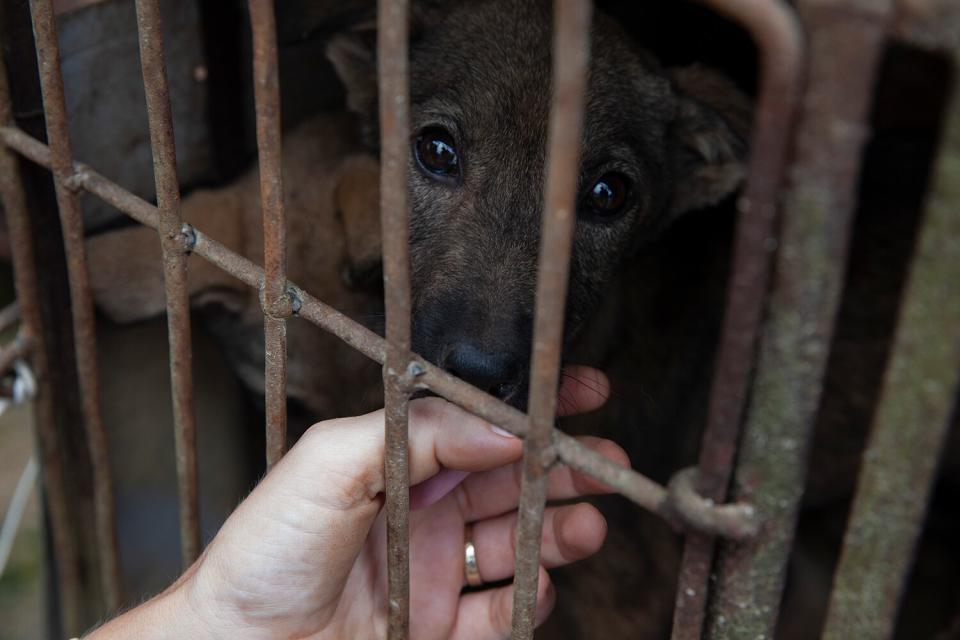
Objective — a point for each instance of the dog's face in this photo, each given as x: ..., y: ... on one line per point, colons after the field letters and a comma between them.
x: 480, y: 101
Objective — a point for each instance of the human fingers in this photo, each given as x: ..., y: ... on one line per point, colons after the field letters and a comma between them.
x: 570, y: 533
x: 340, y: 462
x: 487, y: 614
x: 497, y: 491
x: 582, y: 389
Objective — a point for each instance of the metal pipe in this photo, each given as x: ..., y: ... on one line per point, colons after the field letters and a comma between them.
x: 911, y: 422
x: 277, y: 304
x: 571, y: 65
x: 845, y: 44
x: 394, y: 91
x: 150, y: 28
x: 774, y: 29
x: 55, y: 111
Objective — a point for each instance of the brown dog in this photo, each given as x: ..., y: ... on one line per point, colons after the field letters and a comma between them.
x: 333, y: 241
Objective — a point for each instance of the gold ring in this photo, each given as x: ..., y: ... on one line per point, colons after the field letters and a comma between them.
x: 470, y: 570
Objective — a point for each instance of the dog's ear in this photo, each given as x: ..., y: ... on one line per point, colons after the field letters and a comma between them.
x: 710, y: 133
x: 357, y: 199
x: 353, y: 54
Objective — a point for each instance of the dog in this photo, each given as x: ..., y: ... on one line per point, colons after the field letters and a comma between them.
x: 331, y: 199
x: 657, y: 144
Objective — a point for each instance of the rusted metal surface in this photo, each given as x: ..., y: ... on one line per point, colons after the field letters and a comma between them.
x: 911, y: 423
x: 51, y: 83
x: 571, y: 64
x: 394, y: 91
x: 277, y: 304
x: 174, y: 249
x: 14, y: 202
x: 774, y: 29
x: 844, y: 49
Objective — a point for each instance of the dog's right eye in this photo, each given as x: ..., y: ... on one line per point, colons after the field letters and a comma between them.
x: 437, y: 154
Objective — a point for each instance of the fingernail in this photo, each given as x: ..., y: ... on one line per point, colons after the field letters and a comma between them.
x: 502, y: 432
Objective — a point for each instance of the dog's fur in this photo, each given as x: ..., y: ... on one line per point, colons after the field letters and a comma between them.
x: 480, y: 70
x: 331, y: 196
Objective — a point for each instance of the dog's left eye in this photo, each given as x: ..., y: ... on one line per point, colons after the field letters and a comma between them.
x: 437, y: 153
x: 607, y: 196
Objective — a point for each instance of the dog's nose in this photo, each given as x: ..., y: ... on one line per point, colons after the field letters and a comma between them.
x: 492, y: 372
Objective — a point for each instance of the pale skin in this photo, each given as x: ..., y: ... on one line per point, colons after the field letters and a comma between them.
x: 304, y: 556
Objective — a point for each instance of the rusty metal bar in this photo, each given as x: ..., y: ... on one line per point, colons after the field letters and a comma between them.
x: 420, y: 373
x: 844, y: 49
x: 571, y: 65
x: 911, y: 423
x: 174, y: 248
x: 275, y: 299
x: 393, y: 71
x: 774, y: 29
x: 51, y: 83
x: 14, y: 202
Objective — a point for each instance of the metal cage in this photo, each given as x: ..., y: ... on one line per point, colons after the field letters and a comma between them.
x: 739, y: 506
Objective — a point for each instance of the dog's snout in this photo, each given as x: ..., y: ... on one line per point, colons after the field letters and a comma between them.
x: 495, y: 373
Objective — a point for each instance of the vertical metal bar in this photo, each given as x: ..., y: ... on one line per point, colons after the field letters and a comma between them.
x: 911, y: 422
x: 51, y: 83
x: 277, y: 303
x: 845, y: 46
x: 174, y: 248
x: 774, y: 28
x: 14, y: 201
x: 571, y: 61
x: 392, y: 63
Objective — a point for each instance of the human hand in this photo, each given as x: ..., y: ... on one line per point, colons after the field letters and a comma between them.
x: 305, y: 554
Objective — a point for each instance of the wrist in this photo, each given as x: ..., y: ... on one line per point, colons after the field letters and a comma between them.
x: 171, y: 615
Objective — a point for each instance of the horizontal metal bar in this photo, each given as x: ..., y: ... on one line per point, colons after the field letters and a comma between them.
x: 912, y: 420
x: 636, y: 487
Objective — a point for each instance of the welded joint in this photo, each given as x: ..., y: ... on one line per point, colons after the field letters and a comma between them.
x: 408, y: 380
x: 189, y: 238
x: 285, y: 306
x: 736, y: 521
x: 74, y: 183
